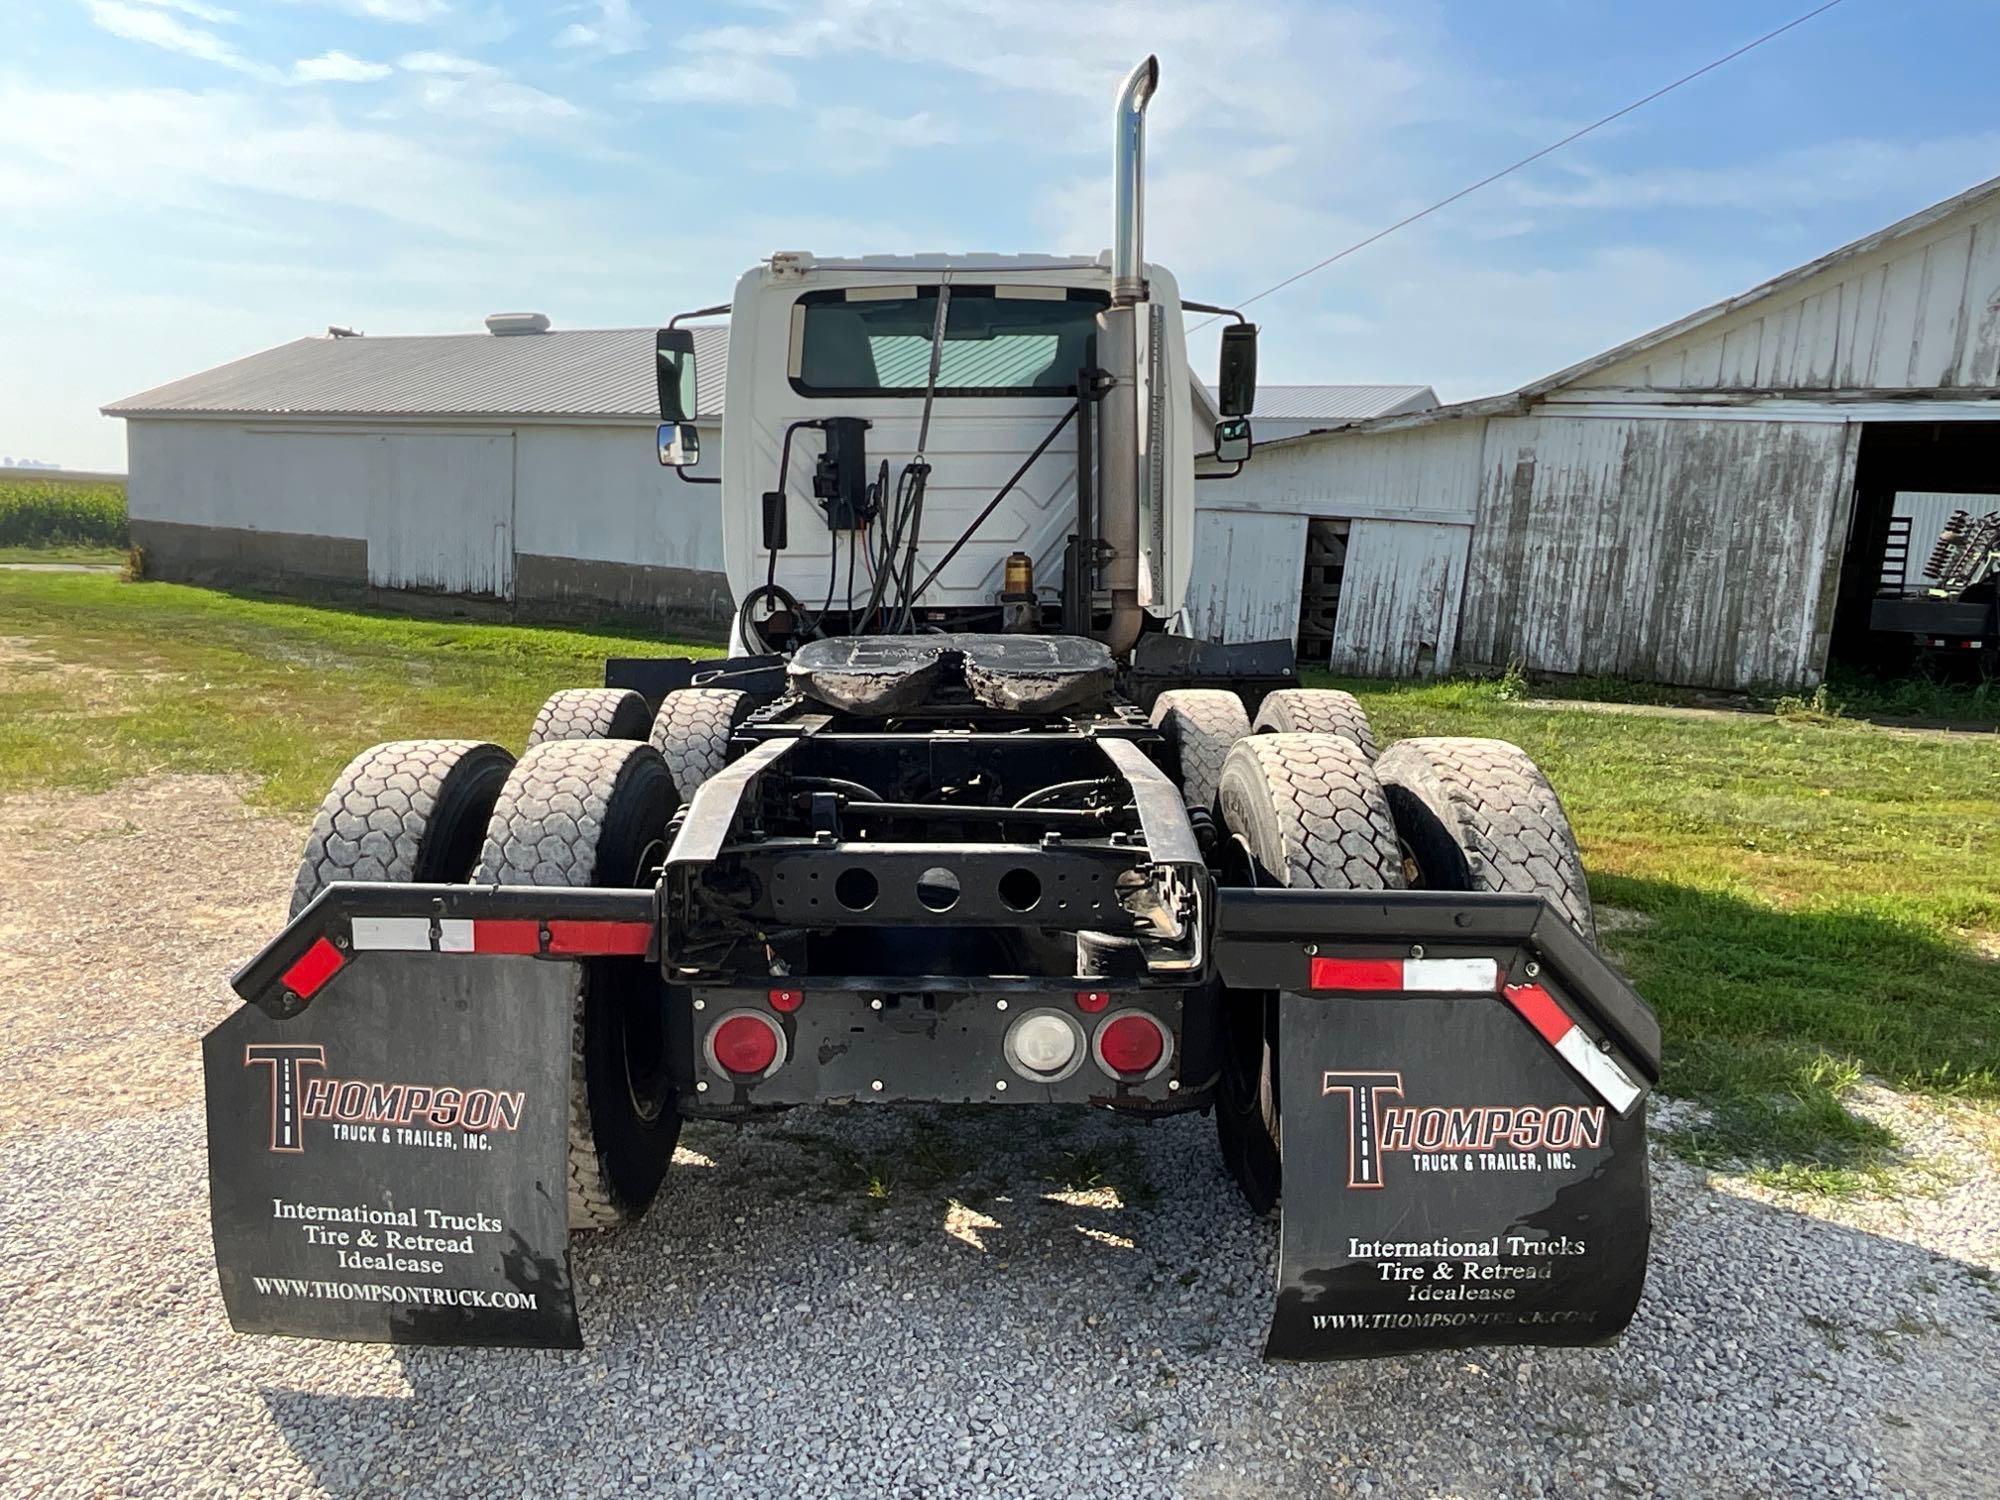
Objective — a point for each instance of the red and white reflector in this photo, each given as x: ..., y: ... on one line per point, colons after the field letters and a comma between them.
x: 567, y: 938
x: 1597, y: 1068
x: 1428, y: 976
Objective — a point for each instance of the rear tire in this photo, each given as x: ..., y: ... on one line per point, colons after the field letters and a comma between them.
x: 1201, y: 724
x: 594, y: 812
x: 410, y: 810
x: 1307, y: 813
x: 692, y: 732
x: 591, y: 714
x: 1315, y: 711
x: 1479, y: 815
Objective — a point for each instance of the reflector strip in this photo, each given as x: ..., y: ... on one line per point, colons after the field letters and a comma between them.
x: 1452, y: 976
x: 507, y: 936
x: 314, y: 968
x: 397, y: 934
x: 567, y: 938
x: 600, y: 938
x: 1595, y: 1067
x: 1430, y: 976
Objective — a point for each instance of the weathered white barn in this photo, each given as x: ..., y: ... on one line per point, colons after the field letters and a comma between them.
x: 514, y: 467
x: 1705, y: 505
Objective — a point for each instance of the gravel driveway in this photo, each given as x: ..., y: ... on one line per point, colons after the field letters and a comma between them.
x: 883, y: 1302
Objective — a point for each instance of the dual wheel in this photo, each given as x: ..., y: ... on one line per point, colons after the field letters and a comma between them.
x: 587, y: 804
x: 1305, y: 802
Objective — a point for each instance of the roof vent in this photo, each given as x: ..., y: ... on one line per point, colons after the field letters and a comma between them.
x: 502, y: 324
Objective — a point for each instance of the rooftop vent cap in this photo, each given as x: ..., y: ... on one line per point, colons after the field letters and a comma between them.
x: 500, y: 325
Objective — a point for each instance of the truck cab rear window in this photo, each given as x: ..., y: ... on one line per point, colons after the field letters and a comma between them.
x: 998, y: 341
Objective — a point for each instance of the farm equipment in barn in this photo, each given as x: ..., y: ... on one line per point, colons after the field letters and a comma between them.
x: 936, y: 833
x: 1953, y: 615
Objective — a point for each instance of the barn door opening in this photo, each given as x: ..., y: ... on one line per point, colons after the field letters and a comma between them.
x: 1909, y: 479
x: 1319, y: 587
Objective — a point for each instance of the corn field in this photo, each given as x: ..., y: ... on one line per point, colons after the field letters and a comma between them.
x: 61, y: 513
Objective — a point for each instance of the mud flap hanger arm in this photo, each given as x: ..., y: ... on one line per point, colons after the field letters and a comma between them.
x: 1263, y: 936
x: 351, y: 918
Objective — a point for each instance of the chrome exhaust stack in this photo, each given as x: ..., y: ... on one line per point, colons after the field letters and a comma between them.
x: 1119, y: 460
x: 1128, y: 184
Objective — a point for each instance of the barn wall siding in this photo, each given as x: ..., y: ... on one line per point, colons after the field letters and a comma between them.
x: 599, y: 493
x: 1923, y: 313
x: 583, y: 513
x: 1247, y: 571
x: 1399, y: 599
x: 1679, y: 551
x: 1430, y: 473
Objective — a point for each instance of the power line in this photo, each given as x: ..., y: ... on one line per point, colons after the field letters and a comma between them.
x: 1575, y: 135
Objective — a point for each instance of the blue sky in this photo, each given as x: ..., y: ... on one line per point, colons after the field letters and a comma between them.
x: 186, y: 181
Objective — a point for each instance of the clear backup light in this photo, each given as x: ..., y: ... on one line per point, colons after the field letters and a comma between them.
x: 1045, y: 1045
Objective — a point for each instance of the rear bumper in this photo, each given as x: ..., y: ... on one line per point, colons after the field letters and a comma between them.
x: 945, y: 1039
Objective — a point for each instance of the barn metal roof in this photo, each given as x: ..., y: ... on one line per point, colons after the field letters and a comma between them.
x: 574, y: 372
x: 571, y: 372
x: 1349, y: 403
x: 1535, y: 391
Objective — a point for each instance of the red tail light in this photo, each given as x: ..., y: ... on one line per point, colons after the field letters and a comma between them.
x: 745, y: 1044
x: 1131, y: 1044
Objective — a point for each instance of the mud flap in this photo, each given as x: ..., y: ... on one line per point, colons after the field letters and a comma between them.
x: 389, y: 1164
x: 1449, y: 1181
x: 1461, y: 1088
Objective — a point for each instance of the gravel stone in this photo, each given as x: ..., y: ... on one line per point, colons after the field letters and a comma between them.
x: 991, y: 1334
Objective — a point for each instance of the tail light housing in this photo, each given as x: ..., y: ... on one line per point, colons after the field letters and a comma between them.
x: 1132, y: 1045
x: 1045, y: 1046
x: 745, y: 1044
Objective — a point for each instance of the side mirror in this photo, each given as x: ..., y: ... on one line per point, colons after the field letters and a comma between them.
x: 675, y: 350
x: 1236, y: 381
x: 680, y: 445
x: 1232, y: 440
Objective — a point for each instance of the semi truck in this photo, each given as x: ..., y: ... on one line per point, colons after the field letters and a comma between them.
x: 965, y: 816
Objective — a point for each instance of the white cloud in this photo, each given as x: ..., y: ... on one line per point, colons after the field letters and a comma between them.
x: 155, y: 27
x: 438, y: 62
x: 1805, y: 177
x: 854, y: 140
x: 402, y: 12
x: 617, y: 29
x: 338, y: 67
x: 159, y: 150
x: 721, y: 80
x: 470, y: 89
x: 213, y: 14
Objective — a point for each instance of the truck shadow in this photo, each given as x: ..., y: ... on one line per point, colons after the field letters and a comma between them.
x: 972, y: 1302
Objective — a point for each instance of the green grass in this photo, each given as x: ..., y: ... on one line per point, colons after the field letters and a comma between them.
x: 122, y: 679
x: 55, y: 512
x: 1815, y: 898
x: 97, y: 556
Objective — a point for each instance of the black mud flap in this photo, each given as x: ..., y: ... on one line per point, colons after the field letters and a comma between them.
x: 388, y: 1120
x: 1463, y: 1117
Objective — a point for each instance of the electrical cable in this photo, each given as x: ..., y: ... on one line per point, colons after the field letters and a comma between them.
x: 918, y: 469
x: 1574, y: 135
